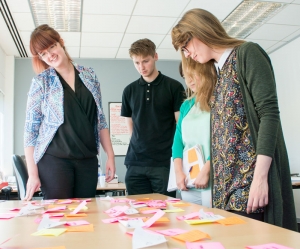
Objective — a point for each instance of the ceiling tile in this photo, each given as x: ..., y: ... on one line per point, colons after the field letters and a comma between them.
x: 123, y: 54
x: 221, y: 9
x: 167, y: 43
x: 292, y: 36
x: 151, y: 25
x: 276, y: 46
x: 110, y: 40
x: 18, y: 6
x: 24, y: 21
x: 111, y: 7
x: 265, y: 44
x: 168, y: 8
x: 71, y: 38
x: 272, y: 32
x: 104, y: 23
x: 25, y: 36
x: 96, y: 52
x: 168, y: 54
x: 73, y: 51
x: 289, y: 16
x: 131, y: 38
x: 7, y: 44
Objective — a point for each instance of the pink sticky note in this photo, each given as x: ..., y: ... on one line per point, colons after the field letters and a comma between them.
x: 116, y: 211
x: 204, y: 245
x: 15, y: 209
x: 88, y: 200
x: 7, y: 216
x: 171, y: 232
x: 173, y: 200
x: 77, y: 223
x: 188, y: 216
x: 112, y: 220
x: 55, y: 209
x: 79, y: 207
x: 269, y: 246
x: 154, y: 218
x: 54, y: 215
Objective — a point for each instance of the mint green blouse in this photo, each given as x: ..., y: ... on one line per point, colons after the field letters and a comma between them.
x: 193, y: 127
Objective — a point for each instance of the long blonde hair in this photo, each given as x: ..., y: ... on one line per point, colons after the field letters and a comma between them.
x: 204, y: 77
x: 204, y: 26
x: 42, y: 38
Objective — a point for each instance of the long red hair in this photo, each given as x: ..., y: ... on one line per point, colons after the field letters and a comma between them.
x: 42, y: 38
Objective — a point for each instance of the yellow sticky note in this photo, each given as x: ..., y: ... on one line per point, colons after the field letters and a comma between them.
x: 231, y: 221
x: 196, y: 222
x: 50, y: 232
x: 181, y: 204
x: 72, y: 207
x: 85, y: 228
x: 194, y: 171
x: 56, y: 247
x: 192, y: 236
x: 75, y: 215
x: 176, y: 210
x: 192, y: 156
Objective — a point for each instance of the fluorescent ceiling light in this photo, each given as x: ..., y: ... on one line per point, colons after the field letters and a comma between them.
x: 62, y: 15
x: 248, y: 16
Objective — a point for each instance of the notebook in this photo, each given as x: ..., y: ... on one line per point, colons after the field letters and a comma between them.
x: 193, y: 162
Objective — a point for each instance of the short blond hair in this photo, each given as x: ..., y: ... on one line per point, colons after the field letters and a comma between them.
x: 142, y: 47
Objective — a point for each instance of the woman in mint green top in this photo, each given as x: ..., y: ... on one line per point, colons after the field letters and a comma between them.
x: 193, y: 128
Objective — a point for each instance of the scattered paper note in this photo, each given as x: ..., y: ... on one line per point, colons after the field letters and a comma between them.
x: 188, y: 216
x: 7, y: 216
x: 204, y: 245
x: 269, y: 246
x: 171, y: 232
x: 82, y: 205
x: 50, y: 232
x: 75, y: 215
x: 192, y: 236
x: 142, y: 238
x: 175, y: 210
x: 231, y: 221
x: 131, y: 211
x: 132, y: 223
x: 46, y: 223
x: 181, y: 204
x: 154, y: 218
x: 85, y: 228
x: 77, y: 223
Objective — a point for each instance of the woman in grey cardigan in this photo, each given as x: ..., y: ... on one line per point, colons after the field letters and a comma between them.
x: 250, y: 168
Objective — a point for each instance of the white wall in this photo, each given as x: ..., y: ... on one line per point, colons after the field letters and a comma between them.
x: 2, y: 83
x: 286, y: 63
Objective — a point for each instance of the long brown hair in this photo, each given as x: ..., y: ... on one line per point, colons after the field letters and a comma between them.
x: 42, y: 38
x: 204, y: 26
x: 205, y: 78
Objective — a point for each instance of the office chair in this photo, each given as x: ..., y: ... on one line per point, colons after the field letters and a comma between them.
x: 21, y: 174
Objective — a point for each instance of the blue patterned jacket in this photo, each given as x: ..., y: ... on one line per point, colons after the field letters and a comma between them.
x: 45, y: 111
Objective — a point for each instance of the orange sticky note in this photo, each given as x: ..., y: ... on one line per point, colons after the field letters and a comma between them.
x: 144, y: 199
x: 231, y: 221
x: 181, y: 204
x: 192, y: 236
x: 194, y: 171
x: 162, y: 219
x: 192, y: 156
x: 146, y: 209
x: 56, y: 247
x: 85, y: 228
x: 75, y: 215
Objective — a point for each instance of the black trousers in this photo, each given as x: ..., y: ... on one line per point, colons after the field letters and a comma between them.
x: 68, y: 178
x: 147, y: 180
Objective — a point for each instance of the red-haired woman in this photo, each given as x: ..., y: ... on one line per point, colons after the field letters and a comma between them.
x: 65, y: 123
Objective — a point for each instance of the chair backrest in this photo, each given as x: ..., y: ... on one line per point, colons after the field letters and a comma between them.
x: 21, y: 174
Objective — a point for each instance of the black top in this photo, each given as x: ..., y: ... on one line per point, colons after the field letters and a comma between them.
x: 151, y: 107
x: 75, y: 138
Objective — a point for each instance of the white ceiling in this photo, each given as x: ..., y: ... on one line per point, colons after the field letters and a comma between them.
x: 109, y: 27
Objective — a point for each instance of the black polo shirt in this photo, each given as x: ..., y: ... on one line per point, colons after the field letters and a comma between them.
x: 151, y: 107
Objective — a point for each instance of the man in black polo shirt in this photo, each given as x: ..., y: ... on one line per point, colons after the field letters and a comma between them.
x: 151, y: 106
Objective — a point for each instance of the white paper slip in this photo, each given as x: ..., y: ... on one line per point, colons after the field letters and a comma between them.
x: 132, y: 223
x: 46, y: 223
x: 131, y: 210
x: 29, y: 209
x: 172, y: 178
x: 142, y: 238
